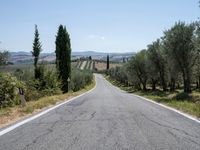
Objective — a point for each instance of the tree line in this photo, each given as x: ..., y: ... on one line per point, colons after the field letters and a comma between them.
x: 45, y: 79
x: 170, y: 62
x: 63, y: 56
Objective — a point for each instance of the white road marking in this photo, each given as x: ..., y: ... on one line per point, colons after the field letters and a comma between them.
x: 12, y: 127
x: 162, y: 105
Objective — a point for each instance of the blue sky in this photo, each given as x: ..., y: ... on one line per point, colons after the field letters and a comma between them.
x: 99, y: 25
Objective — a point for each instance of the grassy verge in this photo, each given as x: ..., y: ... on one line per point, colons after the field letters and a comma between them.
x: 190, y: 105
x: 12, y: 114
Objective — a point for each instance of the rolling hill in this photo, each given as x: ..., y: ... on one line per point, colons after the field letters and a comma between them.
x: 22, y: 57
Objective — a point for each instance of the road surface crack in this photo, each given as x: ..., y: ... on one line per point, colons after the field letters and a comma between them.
x: 49, y: 130
x: 74, y: 141
x: 179, y: 130
x: 92, y: 115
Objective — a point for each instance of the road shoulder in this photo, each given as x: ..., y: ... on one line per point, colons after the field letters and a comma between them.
x: 19, y: 115
x: 187, y: 115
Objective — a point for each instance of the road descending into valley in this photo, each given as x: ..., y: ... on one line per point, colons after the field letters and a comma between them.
x: 106, y: 119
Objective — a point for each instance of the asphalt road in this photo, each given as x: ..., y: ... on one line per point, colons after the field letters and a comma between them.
x: 106, y: 119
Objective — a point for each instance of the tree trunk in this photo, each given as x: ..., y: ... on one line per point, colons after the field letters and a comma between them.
x: 138, y: 86
x: 178, y: 85
x: 22, y: 98
x: 199, y: 81
x: 186, y: 79
x: 162, y: 77
x: 144, y: 85
x: 187, y: 87
x: 197, y: 84
x: 153, y: 84
x: 184, y: 82
x: 172, y: 85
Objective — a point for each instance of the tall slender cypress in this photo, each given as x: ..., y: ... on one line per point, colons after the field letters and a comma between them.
x: 37, y: 48
x: 108, y: 63
x: 63, y: 56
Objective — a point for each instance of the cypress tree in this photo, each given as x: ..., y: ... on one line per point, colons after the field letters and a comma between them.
x: 63, y: 56
x: 37, y: 48
x: 108, y: 63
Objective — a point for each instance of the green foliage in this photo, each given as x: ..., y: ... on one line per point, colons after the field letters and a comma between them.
x: 63, y: 56
x: 179, y: 43
x: 37, y: 48
x: 48, y: 84
x: 32, y: 93
x: 183, y: 96
x: 80, y: 78
x: 9, y: 89
x: 119, y: 74
x: 137, y: 67
x: 158, y: 61
x: 3, y: 57
x: 169, y: 63
x: 197, y: 64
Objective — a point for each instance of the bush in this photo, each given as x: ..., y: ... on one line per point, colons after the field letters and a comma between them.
x: 47, y: 84
x: 119, y: 74
x: 9, y: 89
x: 32, y: 92
x: 79, y: 79
x: 183, y: 96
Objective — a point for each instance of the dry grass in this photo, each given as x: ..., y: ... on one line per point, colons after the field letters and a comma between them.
x: 13, y: 114
x: 102, y: 65
x: 190, y: 106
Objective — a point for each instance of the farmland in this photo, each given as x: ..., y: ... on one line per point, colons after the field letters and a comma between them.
x: 93, y: 65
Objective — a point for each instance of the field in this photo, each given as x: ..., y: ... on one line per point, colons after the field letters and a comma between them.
x: 13, y: 68
x: 93, y: 65
x: 24, y: 67
x: 80, y: 64
x: 102, y: 65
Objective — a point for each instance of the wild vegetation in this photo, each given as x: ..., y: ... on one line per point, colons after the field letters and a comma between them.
x: 63, y: 57
x: 37, y: 48
x: 3, y: 57
x: 41, y: 79
x: 169, y: 65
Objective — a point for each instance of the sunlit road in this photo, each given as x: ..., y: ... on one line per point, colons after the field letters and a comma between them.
x: 106, y: 119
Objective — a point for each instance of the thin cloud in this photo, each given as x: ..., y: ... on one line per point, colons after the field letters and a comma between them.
x: 102, y: 38
x: 91, y: 36
x: 96, y: 37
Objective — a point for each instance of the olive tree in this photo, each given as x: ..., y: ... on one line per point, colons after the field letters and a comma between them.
x: 179, y: 43
x: 156, y: 56
x: 137, y: 66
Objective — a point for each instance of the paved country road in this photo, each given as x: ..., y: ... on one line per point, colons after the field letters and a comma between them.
x: 106, y: 119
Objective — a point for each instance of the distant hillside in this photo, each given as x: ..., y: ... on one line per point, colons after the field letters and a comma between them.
x: 22, y: 57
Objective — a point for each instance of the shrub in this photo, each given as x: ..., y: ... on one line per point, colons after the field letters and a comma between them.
x: 9, y: 89
x: 31, y: 92
x: 47, y: 84
x: 24, y: 74
x: 183, y: 96
x: 79, y: 79
x: 50, y: 80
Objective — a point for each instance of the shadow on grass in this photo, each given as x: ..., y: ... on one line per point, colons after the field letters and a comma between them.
x: 158, y: 94
x: 189, y: 103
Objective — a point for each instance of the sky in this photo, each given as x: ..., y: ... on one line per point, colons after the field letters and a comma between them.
x: 93, y: 25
